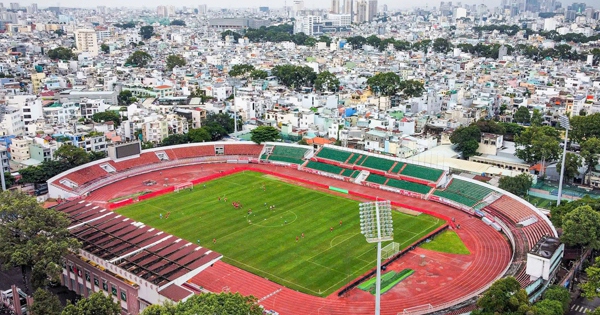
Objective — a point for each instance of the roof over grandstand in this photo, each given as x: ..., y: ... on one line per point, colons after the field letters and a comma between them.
x: 148, y: 253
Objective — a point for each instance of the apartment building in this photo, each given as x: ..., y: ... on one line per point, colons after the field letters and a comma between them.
x: 86, y: 41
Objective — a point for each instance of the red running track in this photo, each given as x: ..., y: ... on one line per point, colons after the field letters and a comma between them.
x: 439, y: 278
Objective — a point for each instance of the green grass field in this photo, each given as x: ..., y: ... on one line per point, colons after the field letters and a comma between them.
x: 447, y: 242
x: 264, y: 242
x: 541, y: 202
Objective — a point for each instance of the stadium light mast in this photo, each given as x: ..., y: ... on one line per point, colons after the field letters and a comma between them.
x: 564, y: 122
x: 376, y: 226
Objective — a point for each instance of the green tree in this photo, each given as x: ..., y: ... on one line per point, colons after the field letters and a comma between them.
x: 235, y: 35
x: 590, y: 288
x: 241, y: 70
x: 175, y: 61
x: 558, y: 212
x: 178, y: 22
x: 59, y: 32
x: 33, y: 238
x: 62, y: 53
x: 466, y: 140
x: 258, y: 74
x: 107, y: 116
x: 590, y: 150
x: 385, y: 83
x: 537, y: 144
x: 327, y: 81
x: 125, y: 97
x: 95, y: 304
x: 295, y: 76
x: 442, y: 45
x: 43, y: 172
x: 224, y: 120
x: 96, y: 155
x: 264, y: 134
x: 105, y: 49
x: 45, y: 303
x: 411, y: 88
x: 325, y: 39
x: 373, y: 40
x: 537, y: 118
x: 560, y: 294
x: 71, y: 155
x: 210, y: 303
x: 581, y: 227
x: 572, y: 165
x: 518, y: 185
x: 199, y: 135
x: 9, y: 180
x: 139, y: 58
x: 310, y: 42
x: 505, y: 296
x: 175, y: 139
x: 490, y: 126
x: 522, y: 115
x: 146, y: 31
x: 585, y: 127
x: 548, y: 307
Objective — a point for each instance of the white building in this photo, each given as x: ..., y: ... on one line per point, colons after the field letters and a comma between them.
x: 12, y: 123
x: 86, y: 41
x: 305, y: 24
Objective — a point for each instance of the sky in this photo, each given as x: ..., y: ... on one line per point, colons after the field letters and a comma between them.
x: 255, y: 3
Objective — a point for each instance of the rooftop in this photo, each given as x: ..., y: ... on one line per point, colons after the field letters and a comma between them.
x: 545, y: 247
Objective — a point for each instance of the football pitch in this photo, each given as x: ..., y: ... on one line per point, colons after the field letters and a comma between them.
x: 264, y: 242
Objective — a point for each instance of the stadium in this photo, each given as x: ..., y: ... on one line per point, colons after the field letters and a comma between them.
x: 280, y: 222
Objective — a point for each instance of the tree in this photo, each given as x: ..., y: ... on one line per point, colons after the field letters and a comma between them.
x: 560, y: 294
x: 210, y: 303
x: 466, y: 140
x: 235, y: 35
x: 442, y: 45
x: 61, y: 53
x: 310, y: 42
x: 175, y: 139
x: 9, y: 180
x: 107, y: 116
x: 590, y: 288
x: 490, y: 126
x: 146, y: 31
x: 590, y: 150
x: 125, y: 97
x: 258, y: 74
x: 96, y: 155
x: 505, y: 296
x: 264, y: 134
x: 522, y: 115
x: 585, y: 127
x: 537, y: 118
x: 548, y: 307
x: 45, y: 303
x: 327, y: 81
x: 59, y: 32
x: 581, y: 227
x: 199, y: 135
x: 224, y: 120
x: 71, y: 155
x: 42, y: 172
x: 178, y: 22
x: 33, y: 238
x: 572, y: 165
x: 387, y: 83
x: 294, y: 76
x: 241, y: 70
x: 139, y: 58
x: 518, y: 185
x: 411, y: 88
x: 95, y: 304
x: 558, y: 212
x: 175, y: 61
x: 105, y: 49
x: 537, y: 144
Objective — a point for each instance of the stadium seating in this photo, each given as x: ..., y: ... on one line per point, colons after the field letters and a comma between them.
x: 287, y: 154
x: 422, y: 172
x: 335, y: 155
x: 144, y: 159
x: 354, y: 158
x: 350, y: 173
x: 414, y: 187
x: 469, y: 189
x: 86, y: 175
x: 513, y: 209
x: 325, y: 167
x: 243, y: 149
x: 377, y: 163
x: 374, y: 178
x: 397, y: 168
x: 456, y: 197
x: 195, y: 151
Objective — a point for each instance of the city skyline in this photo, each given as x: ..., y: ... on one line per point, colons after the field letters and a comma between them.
x: 151, y: 4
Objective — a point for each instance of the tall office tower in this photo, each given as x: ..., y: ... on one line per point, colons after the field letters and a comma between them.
x: 385, y: 8
x: 202, y: 9
x: 86, y: 41
x: 372, y: 10
x: 34, y: 7
x: 532, y: 6
x: 161, y: 10
x: 101, y: 9
x: 361, y: 11
x: 14, y: 6
x: 335, y: 6
x: 170, y: 10
x: 298, y: 5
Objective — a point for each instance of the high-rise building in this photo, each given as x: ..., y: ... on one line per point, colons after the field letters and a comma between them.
x: 14, y: 6
x: 86, y: 41
x: 171, y: 10
x: 161, y: 11
x: 298, y: 5
x: 361, y: 11
x: 372, y: 10
x: 335, y: 6
x: 202, y: 9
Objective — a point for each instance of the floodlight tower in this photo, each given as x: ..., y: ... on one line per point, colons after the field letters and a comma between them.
x: 376, y: 225
x: 564, y: 122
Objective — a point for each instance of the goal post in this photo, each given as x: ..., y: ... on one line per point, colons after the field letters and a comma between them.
x: 389, y: 250
x: 180, y: 187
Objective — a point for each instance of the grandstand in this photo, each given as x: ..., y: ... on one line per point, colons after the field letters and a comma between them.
x: 466, y: 193
x: 334, y: 155
x: 410, y: 186
x: 378, y: 179
x: 325, y: 167
x: 422, y: 172
x: 287, y: 154
x: 377, y: 163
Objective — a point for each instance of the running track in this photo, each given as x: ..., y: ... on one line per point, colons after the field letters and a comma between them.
x: 438, y: 278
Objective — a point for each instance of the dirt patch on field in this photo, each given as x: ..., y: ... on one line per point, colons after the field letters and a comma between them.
x: 408, y: 211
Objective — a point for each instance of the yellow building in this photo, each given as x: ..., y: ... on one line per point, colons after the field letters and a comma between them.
x: 37, y: 81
